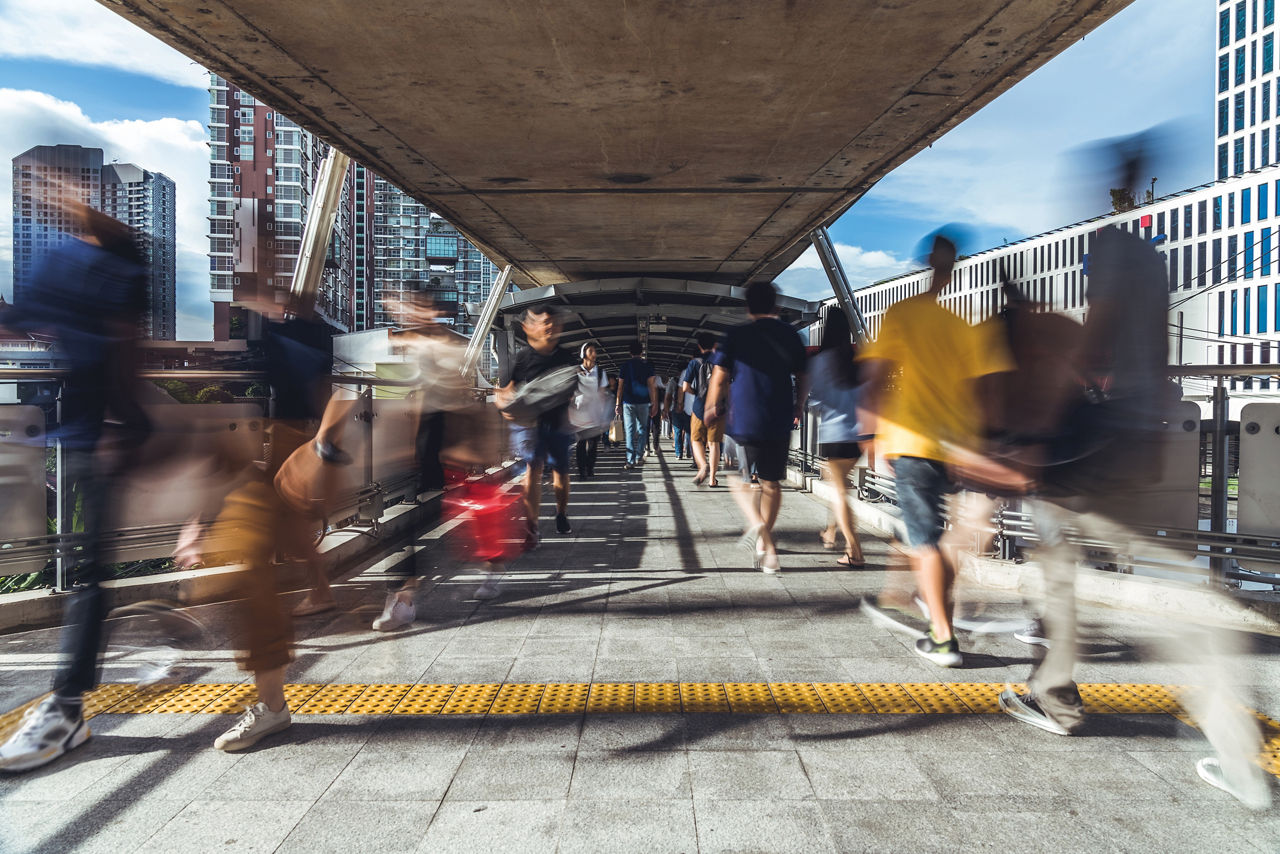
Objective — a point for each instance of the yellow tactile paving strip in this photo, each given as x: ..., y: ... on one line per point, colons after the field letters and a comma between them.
x: 813, y: 698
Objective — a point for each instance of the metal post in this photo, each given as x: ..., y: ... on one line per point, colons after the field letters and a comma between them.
x: 1218, y: 474
x: 826, y: 250
x: 488, y: 313
x: 62, y: 516
x: 317, y: 230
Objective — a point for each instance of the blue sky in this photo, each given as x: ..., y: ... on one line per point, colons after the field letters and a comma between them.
x: 72, y: 71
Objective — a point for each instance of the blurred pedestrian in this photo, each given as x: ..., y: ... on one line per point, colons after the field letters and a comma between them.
x: 541, y: 367
x: 704, y: 439
x: 834, y: 390
x: 761, y: 370
x: 90, y: 293
x: 593, y: 377
x: 929, y: 411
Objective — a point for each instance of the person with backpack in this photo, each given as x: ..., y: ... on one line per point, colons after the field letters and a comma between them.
x: 637, y: 402
x: 705, y: 439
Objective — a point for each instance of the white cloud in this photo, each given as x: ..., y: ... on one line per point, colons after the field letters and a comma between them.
x: 171, y: 146
x: 82, y: 32
x: 806, y: 278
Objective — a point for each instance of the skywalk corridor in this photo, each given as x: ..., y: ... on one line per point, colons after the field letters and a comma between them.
x: 645, y: 690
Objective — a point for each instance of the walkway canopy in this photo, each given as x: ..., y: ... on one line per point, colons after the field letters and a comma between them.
x: 664, y: 314
x: 587, y: 139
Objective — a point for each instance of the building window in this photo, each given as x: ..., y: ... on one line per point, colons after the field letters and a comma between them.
x: 1222, y: 318
x: 1217, y: 213
x: 1248, y: 254
x: 1235, y: 307
x: 1216, y: 273
x: 1268, y: 12
x: 1160, y: 223
x: 1268, y: 53
x: 1186, y: 268
x: 1224, y: 29
x: 1246, y: 205
x: 1231, y: 210
x: 1232, y: 253
x: 1224, y: 72
x: 1248, y: 311
x: 1266, y: 148
x: 1238, y: 158
x: 1204, y: 215
x: 1173, y: 269
x: 1265, y: 251
x: 1240, y: 21
x: 1262, y: 315
x: 1239, y: 80
x: 1239, y: 111
x: 1173, y: 224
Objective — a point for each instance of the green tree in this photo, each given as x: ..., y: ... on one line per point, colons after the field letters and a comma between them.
x: 214, y: 394
x: 176, y: 389
x: 1122, y: 200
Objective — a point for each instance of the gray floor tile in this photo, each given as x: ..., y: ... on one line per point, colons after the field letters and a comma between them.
x: 285, y: 772
x: 387, y: 827
x: 382, y: 776
x: 775, y: 826
x: 501, y: 775
x: 633, y: 775
x: 748, y: 775
x: 624, y: 732
x: 83, y: 826
x: 874, y: 775
x: 736, y: 732
x: 228, y: 825
x: 639, y: 826
x: 486, y: 827
x: 529, y: 732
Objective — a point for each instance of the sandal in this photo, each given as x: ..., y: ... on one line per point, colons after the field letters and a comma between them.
x: 828, y: 544
x: 699, y: 478
x: 847, y: 559
x: 714, y: 483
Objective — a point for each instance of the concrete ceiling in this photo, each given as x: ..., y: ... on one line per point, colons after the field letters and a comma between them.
x: 584, y: 139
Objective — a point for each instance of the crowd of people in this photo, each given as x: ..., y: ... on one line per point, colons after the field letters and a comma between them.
x: 1025, y: 404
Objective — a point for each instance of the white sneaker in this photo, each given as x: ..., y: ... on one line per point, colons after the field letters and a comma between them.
x: 1255, y: 794
x: 255, y: 724
x: 45, y: 734
x: 396, y: 613
x: 491, y: 589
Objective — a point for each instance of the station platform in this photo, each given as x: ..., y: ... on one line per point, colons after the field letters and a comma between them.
x: 638, y: 686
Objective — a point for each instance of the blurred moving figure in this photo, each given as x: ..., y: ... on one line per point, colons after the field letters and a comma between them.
x: 90, y: 293
x: 923, y: 393
x: 704, y: 439
x: 754, y: 370
x: 834, y: 390
x: 596, y: 384
x: 637, y: 402
x: 544, y: 377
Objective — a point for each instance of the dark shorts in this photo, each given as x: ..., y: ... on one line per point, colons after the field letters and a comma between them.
x: 920, y: 485
x: 769, y: 459
x: 840, y: 450
x: 541, y: 444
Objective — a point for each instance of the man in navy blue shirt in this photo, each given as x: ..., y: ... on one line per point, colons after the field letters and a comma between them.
x: 637, y: 402
x: 696, y: 382
x: 757, y: 362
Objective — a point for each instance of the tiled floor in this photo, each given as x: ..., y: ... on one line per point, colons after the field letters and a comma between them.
x: 652, y: 587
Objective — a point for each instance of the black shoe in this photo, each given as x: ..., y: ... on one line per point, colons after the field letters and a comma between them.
x: 944, y: 654
x: 562, y: 524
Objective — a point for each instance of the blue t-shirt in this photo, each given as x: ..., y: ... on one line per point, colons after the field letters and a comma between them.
x: 690, y: 376
x: 761, y: 357
x: 635, y: 381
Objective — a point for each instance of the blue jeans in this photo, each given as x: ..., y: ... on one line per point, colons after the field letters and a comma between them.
x: 680, y: 427
x: 635, y: 417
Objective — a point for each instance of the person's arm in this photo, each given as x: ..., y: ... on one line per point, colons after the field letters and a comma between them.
x: 719, y: 380
x: 802, y: 394
x: 653, y: 395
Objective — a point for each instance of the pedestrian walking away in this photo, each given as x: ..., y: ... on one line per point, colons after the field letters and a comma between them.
x: 760, y: 369
x: 637, y: 402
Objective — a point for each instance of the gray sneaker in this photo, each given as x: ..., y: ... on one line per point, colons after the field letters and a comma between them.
x: 46, y: 733
x: 1024, y: 707
x: 1254, y: 794
x: 255, y: 724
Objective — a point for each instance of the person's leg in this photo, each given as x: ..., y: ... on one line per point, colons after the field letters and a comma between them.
x: 934, y: 578
x: 560, y: 480
x: 593, y: 450
x: 920, y: 484
x: 770, y: 496
x: 631, y: 420
x: 580, y: 454
x: 836, y: 473
x: 533, y: 492
x: 699, y: 430
x: 713, y: 461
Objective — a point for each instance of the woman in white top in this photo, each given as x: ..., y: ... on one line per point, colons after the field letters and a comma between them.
x: 589, y: 446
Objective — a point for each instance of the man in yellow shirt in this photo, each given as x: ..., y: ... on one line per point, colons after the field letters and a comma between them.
x: 925, y: 373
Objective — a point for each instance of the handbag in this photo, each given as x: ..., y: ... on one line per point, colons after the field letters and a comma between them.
x: 617, y: 431
x: 592, y: 409
x: 543, y: 394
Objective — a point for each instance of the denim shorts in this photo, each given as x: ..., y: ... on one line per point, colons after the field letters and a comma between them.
x: 920, y: 484
x: 542, y: 444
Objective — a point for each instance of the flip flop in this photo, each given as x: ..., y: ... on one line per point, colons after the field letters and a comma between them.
x: 846, y: 559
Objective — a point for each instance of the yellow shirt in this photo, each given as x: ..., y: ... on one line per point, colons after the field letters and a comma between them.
x: 930, y: 398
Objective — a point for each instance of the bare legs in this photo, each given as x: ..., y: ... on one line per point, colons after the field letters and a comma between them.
x: 712, y: 458
x: 760, y: 509
x: 935, y: 576
x: 533, y: 491
x: 836, y: 472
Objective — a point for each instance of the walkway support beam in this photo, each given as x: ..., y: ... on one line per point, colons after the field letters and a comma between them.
x: 317, y: 231
x: 484, y: 324
x: 826, y: 250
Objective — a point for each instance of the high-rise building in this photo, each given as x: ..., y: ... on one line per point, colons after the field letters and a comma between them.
x: 1248, y: 101
x: 49, y: 177
x: 144, y: 201
x: 262, y: 174
x: 45, y: 179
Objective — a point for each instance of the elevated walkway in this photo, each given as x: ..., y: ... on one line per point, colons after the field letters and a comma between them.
x: 637, y: 686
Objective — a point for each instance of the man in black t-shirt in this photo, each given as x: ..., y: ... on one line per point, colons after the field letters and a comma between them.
x: 548, y: 439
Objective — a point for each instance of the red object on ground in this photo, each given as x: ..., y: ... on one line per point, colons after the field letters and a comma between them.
x: 489, y: 531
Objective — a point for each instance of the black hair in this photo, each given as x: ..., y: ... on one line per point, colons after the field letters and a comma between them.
x: 636, y: 348
x: 705, y: 340
x: 762, y: 298
x: 836, y: 336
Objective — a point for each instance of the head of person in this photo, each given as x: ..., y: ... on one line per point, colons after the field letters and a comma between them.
x: 588, y: 354
x: 636, y: 349
x: 942, y: 258
x: 541, y: 325
x: 101, y: 230
x: 762, y: 299
x: 705, y: 341
x: 836, y: 336
x: 415, y: 309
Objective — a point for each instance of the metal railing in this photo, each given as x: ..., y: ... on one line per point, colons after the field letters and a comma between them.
x: 1221, y: 550
x: 384, y: 471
